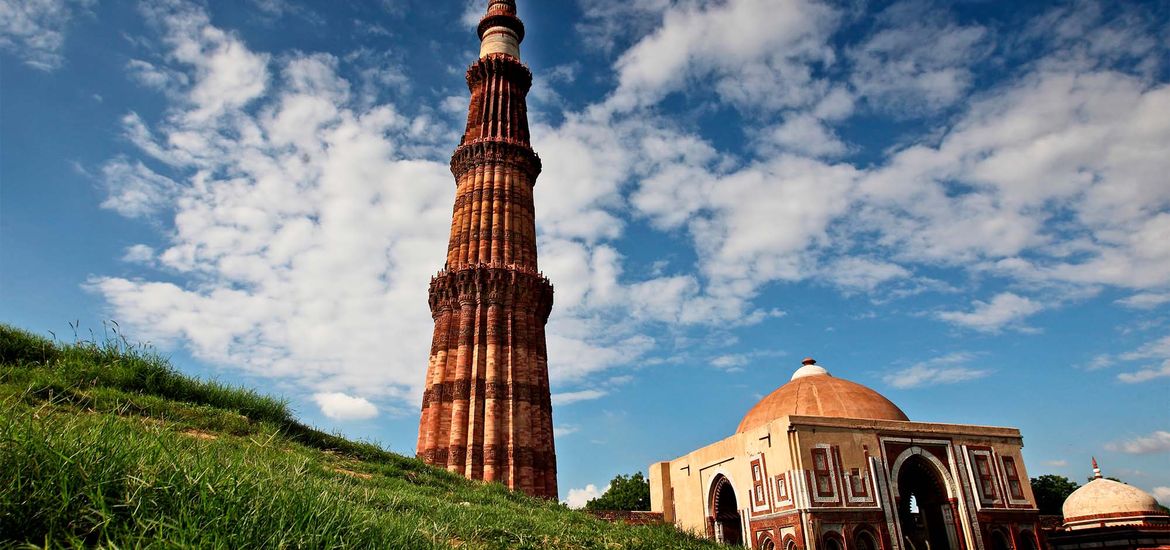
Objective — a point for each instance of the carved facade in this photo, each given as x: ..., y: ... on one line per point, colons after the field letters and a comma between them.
x: 486, y: 411
x: 824, y: 463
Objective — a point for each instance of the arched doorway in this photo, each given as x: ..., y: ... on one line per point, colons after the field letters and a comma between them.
x: 864, y: 540
x: 924, y: 511
x: 725, y: 512
x: 767, y: 544
x: 999, y: 541
x: 1027, y: 540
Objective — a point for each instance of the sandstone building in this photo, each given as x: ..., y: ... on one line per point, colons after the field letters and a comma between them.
x: 825, y: 463
x: 1109, y: 514
x: 486, y: 411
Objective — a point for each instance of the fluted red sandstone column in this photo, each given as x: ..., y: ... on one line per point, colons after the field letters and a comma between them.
x: 487, y: 412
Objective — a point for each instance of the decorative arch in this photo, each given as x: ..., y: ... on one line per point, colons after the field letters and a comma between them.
x: 1000, y: 540
x: 724, y: 518
x: 766, y: 543
x: 865, y: 538
x: 790, y: 543
x: 833, y: 540
x: 925, y: 493
x: 717, y: 474
x: 1028, y: 540
x: 948, y: 481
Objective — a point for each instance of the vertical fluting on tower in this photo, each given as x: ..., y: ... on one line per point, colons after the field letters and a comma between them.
x: 487, y: 411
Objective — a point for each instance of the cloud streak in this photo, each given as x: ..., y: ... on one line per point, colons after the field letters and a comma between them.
x: 1157, y: 442
x: 947, y: 369
x: 35, y: 30
x: 568, y: 398
x: 1004, y: 309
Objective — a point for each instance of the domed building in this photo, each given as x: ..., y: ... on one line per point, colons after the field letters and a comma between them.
x: 1110, y: 514
x: 826, y: 463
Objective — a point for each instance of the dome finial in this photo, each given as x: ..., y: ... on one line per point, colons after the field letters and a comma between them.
x: 1096, y: 470
x: 809, y: 367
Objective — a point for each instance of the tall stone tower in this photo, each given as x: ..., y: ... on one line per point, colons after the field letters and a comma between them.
x: 487, y: 412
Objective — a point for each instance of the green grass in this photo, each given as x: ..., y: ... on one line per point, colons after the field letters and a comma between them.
x: 105, y: 444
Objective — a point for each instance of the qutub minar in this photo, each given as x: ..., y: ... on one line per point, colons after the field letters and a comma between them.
x: 487, y: 412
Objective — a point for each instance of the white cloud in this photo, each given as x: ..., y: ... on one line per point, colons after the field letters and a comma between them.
x: 947, y: 369
x: 1099, y: 34
x: 1039, y: 180
x: 306, y: 223
x: 271, y: 10
x: 1162, y: 494
x: 608, y: 24
x: 1100, y: 362
x: 795, y: 198
x: 1003, y: 310
x: 863, y: 274
x: 1155, y: 349
x: 1051, y: 144
x: 732, y: 363
x: 586, y: 152
x: 340, y: 406
x: 565, y: 429
x: 758, y: 52
x: 473, y: 11
x: 227, y: 75
x: 1156, y: 442
x: 153, y: 76
x: 601, y: 314
x: 806, y: 135
x: 1158, y: 351
x: 138, y: 254
x: 1059, y: 463
x: 135, y: 191
x: 568, y: 398
x: 577, y: 498
x: 916, y: 60
x: 1145, y: 300
x: 1145, y: 375
x: 35, y: 29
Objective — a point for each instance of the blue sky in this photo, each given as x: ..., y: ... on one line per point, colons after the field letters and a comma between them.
x: 963, y: 205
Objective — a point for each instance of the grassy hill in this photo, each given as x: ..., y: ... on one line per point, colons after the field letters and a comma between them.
x: 106, y: 444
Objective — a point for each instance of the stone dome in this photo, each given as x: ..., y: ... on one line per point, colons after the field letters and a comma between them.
x: 814, y: 392
x: 1104, y: 502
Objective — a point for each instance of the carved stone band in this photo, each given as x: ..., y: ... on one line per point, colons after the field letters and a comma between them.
x: 495, y: 153
x: 491, y: 285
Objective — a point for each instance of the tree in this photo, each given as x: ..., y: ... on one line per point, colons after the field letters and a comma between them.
x: 624, y: 493
x: 1050, y: 491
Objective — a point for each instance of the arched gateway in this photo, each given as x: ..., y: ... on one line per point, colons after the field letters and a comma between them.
x: 725, y: 517
x: 924, y: 511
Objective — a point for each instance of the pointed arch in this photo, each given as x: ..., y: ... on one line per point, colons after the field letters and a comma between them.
x: 925, y: 492
x: 724, y: 516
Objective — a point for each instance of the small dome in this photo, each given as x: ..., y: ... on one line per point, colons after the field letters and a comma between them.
x: 1104, y: 502
x: 814, y: 392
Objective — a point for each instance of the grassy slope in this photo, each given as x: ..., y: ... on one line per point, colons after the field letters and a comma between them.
x: 105, y: 444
